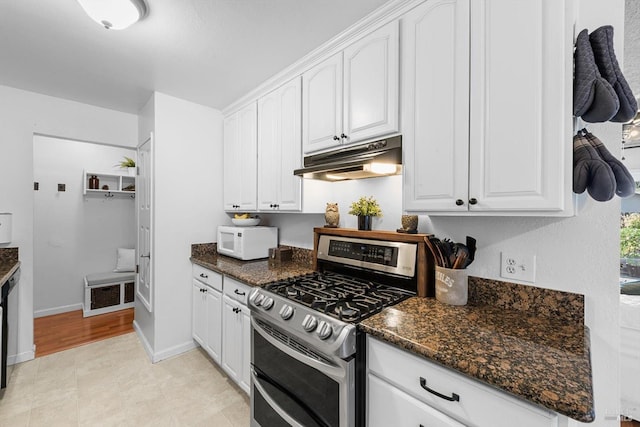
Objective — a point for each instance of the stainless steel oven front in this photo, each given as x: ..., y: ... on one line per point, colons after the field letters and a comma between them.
x: 295, y: 384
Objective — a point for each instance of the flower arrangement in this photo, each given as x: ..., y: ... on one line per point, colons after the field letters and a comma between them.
x: 365, y: 206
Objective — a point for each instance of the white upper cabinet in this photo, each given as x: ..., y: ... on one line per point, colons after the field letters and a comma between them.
x: 280, y: 148
x: 521, y: 88
x: 435, y: 109
x: 353, y: 95
x: 490, y: 134
x: 240, y: 159
x: 371, y: 87
x: 322, y: 105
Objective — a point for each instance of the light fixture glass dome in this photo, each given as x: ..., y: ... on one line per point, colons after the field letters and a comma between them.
x: 114, y: 14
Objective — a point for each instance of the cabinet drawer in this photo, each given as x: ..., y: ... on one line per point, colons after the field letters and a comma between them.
x: 236, y: 290
x: 477, y: 404
x: 208, y: 277
x: 388, y: 406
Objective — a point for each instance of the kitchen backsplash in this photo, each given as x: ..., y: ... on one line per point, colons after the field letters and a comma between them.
x: 564, y: 306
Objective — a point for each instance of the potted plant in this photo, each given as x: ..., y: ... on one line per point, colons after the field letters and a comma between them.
x: 129, y: 164
x: 365, y: 209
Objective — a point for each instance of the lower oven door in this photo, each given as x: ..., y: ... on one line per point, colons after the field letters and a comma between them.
x: 294, y: 385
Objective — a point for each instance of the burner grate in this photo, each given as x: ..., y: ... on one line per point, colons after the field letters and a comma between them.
x: 343, y: 297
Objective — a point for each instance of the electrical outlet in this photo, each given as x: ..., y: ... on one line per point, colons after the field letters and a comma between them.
x: 518, y: 266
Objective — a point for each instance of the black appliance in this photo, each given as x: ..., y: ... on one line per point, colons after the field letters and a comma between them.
x: 5, y: 290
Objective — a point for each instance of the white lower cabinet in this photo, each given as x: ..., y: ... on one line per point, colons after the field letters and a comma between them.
x: 397, y: 383
x: 236, y: 338
x: 207, y: 311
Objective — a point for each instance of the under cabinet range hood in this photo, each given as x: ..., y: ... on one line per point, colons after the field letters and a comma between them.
x: 374, y: 159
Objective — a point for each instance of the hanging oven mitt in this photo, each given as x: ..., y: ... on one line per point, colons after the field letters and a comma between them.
x: 590, y: 172
x: 602, y: 46
x: 625, y: 184
x: 593, y: 97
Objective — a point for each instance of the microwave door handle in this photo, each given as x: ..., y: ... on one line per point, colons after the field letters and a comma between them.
x: 258, y: 375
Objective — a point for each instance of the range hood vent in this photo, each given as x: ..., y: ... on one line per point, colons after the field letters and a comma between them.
x: 375, y: 159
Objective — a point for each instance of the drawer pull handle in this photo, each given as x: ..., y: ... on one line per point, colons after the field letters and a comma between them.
x: 204, y: 276
x: 454, y: 397
x: 237, y: 292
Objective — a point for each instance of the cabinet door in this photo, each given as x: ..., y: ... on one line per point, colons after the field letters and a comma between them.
x: 290, y: 185
x: 231, y: 156
x: 248, y: 160
x: 371, y: 67
x: 199, y: 320
x: 214, y: 324
x: 245, y: 377
x: 280, y: 148
x: 231, y: 338
x: 388, y: 406
x: 435, y: 108
x: 269, y: 147
x: 322, y: 105
x: 520, y: 117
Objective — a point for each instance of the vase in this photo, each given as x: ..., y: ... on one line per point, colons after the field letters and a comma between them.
x: 364, y: 222
x: 131, y: 171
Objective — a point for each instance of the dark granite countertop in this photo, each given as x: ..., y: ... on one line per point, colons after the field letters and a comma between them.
x: 542, y: 359
x: 9, y: 263
x: 253, y: 273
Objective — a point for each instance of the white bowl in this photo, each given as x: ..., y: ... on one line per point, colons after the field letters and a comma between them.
x: 245, y: 222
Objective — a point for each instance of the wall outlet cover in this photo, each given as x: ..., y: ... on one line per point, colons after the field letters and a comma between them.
x: 518, y: 266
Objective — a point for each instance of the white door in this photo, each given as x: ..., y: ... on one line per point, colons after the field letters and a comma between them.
x: 520, y: 126
x: 245, y: 378
x: 269, y: 146
x: 290, y: 185
x: 231, y: 338
x: 199, y: 319
x: 213, y: 323
x: 231, y: 164
x: 371, y: 86
x: 435, y: 106
x: 322, y: 105
x: 248, y: 161
x: 144, y: 206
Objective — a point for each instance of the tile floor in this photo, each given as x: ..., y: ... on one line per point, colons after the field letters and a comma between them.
x: 112, y: 383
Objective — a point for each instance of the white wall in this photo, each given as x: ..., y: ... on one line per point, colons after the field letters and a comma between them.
x: 187, y: 209
x: 75, y: 235
x: 21, y: 115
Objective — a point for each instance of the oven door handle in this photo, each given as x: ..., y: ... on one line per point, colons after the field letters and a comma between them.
x: 333, y: 371
x: 265, y: 395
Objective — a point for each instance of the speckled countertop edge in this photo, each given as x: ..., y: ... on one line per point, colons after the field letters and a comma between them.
x: 9, y: 263
x: 253, y: 273
x: 542, y: 360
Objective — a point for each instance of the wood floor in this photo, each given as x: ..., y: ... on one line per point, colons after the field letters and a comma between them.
x: 67, y: 330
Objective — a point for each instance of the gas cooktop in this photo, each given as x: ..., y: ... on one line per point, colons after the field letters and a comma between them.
x: 340, y: 296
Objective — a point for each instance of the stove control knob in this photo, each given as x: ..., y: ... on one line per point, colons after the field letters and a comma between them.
x: 258, y: 300
x: 309, y: 323
x: 324, y: 330
x: 286, y: 312
x: 267, y: 303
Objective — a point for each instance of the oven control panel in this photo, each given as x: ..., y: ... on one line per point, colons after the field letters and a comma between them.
x: 390, y: 257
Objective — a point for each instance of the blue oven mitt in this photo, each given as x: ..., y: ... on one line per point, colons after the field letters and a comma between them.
x: 590, y: 172
x: 602, y: 45
x: 593, y: 97
x: 625, y: 184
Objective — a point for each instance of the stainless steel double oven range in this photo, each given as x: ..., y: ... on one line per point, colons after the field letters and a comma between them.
x: 307, y: 357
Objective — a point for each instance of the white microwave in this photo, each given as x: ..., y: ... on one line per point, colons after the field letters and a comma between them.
x: 246, y: 242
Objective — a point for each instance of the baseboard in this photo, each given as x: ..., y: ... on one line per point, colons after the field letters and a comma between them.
x: 57, y: 310
x: 174, y: 351
x: 164, y: 354
x: 22, y: 357
x: 143, y: 339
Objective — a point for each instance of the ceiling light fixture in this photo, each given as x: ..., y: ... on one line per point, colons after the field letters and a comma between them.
x: 115, y: 14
